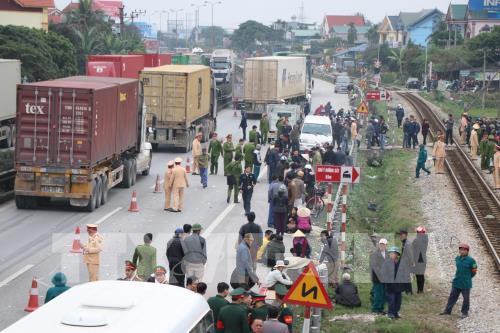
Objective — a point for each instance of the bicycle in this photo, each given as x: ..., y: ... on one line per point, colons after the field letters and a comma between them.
x: 315, y: 203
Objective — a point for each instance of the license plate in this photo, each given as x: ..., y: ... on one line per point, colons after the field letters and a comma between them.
x: 53, y: 189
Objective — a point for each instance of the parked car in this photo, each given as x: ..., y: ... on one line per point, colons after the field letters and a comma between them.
x: 413, y: 83
x: 341, y: 84
x: 315, y: 130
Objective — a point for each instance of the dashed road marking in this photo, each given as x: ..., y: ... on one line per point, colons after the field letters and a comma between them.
x: 108, y: 215
x: 16, y: 274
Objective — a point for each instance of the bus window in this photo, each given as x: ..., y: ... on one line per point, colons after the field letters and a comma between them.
x: 205, y: 325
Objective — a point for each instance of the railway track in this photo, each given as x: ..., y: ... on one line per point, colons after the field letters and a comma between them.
x: 479, y: 199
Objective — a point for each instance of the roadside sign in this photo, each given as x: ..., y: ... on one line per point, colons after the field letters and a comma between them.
x: 337, y: 174
x: 362, y: 108
x: 373, y: 95
x: 308, y: 290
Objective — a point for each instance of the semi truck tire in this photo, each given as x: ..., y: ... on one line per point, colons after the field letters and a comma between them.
x: 127, y: 169
x: 98, y: 192
x: 91, y: 206
x: 104, y: 195
x: 21, y: 202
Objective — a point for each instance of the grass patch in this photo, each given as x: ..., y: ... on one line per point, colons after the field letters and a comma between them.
x: 456, y: 106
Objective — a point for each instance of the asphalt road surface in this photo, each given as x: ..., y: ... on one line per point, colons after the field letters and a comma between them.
x: 36, y: 243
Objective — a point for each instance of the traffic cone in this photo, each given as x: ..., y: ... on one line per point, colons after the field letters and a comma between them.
x: 234, y: 114
x: 33, y: 299
x: 76, y: 248
x: 188, y: 166
x: 157, y: 185
x: 133, y: 204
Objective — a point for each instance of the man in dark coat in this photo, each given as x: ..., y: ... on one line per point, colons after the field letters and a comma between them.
x: 407, y: 262
x: 419, y: 247
x: 338, y: 132
x: 394, y: 281
x: 272, y: 159
x: 243, y: 125
x: 329, y: 157
x: 247, y: 183
x: 347, y: 293
x: 400, y: 114
x: 175, y: 256
x: 252, y: 228
x: 377, y: 259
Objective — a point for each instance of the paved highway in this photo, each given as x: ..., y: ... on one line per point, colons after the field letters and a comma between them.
x: 37, y: 242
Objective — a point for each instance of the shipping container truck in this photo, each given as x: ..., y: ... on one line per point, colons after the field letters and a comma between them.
x: 110, y: 65
x: 10, y: 77
x: 180, y: 102
x: 222, y: 64
x: 273, y: 80
x: 77, y: 138
x: 157, y: 59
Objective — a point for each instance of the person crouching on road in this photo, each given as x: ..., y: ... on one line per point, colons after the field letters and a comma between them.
x: 277, y: 276
x: 346, y: 293
x: 462, y: 283
x: 394, y: 284
x: 203, y: 162
x: 301, y: 247
x: 160, y: 275
x: 59, y: 282
x: 130, y: 272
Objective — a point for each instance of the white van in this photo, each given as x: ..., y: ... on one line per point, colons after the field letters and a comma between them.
x: 118, y: 307
x: 315, y: 130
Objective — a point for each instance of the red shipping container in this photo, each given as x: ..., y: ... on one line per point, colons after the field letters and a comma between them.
x: 76, y: 122
x: 157, y: 59
x: 125, y: 65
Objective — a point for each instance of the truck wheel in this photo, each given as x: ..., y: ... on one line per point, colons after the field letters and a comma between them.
x: 126, y: 181
x: 98, y: 192
x: 104, y: 193
x: 92, y: 200
x: 133, y: 173
x: 21, y: 202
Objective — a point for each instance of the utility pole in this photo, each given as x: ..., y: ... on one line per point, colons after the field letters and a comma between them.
x: 176, y: 11
x: 425, y: 69
x: 484, y: 78
x: 213, y: 3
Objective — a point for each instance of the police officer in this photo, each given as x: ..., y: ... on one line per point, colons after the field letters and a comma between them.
x: 130, y: 272
x: 462, y: 283
x: 160, y: 275
x: 91, y: 251
x: 247, y: 183
x: 218, y: 301
x: 233, y: 317
x: 215, y: 150
x: 259, y: 310
x: 286, y: 314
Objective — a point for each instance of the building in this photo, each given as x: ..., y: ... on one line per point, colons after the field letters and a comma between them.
x: 456, y: 21
x: 341, y: 31
x: 482, y: 16
x: 415, y: 26
x: 27, y: 13
x: 330, y: 22
x: 110, y: 8
x: 349, y: 58
x: 55, y: 15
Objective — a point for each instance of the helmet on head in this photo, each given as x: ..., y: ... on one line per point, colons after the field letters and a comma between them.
x: 464, y: 246
x: 308, y: 167
x: 394, y: 249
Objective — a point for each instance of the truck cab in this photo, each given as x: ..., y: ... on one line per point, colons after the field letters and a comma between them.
x: 221, y: 63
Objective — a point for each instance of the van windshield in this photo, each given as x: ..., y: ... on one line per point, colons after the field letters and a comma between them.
x: 342, y: 79
x: 316, y: 129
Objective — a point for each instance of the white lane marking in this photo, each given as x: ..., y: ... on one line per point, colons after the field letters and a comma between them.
x: 218, y: 220
x: 7, y: 206
x: 108, y: 215
x: 16, y: 274
x: 161, y: 182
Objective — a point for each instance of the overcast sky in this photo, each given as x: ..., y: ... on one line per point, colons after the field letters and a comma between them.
x: 230, y: 13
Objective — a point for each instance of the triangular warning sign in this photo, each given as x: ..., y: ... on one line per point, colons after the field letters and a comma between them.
x: 308, y: 290
x: 362, y: 108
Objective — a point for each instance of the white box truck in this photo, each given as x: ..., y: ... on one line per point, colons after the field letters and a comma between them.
x: 274, y: 80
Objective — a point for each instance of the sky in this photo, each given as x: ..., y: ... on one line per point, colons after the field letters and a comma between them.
x: 230, y: 13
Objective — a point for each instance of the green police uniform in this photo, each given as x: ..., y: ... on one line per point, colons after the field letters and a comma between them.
x: 253, y: 136
x: 145, y: 260
x: 234, y: 169
x: 490, y: 151
x: 228, y: 149
x: 216, y: 303
x: 214, y: 149
x: 286, y: 314
x: 264, y: 129
x: 233, y: 318
x: 260, y: 313
x: 239, y: 151
x: 248, y: 152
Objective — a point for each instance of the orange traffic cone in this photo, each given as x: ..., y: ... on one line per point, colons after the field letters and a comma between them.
x: 33, y: 299
x: 157, y: 185
x: 76, y: 248
x: 188, y: 166
x: 133, y: 204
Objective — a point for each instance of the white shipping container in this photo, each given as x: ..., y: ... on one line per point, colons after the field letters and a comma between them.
x: 271, y: 79
x: 11, y: 77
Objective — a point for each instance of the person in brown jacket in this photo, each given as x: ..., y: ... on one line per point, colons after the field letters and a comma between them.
x: 91, y: 251
x: 166, y: 185
x: 178, y: 182
x: 196, y: 154
x: 474, y: 141
x: 496, y: 171
x: 296, y: 190
x: 439, y: 154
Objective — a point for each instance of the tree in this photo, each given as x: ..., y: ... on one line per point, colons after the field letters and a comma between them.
x: 213, y: 36
x: 352, y: 34
x: 44, y: 55
x: 252, y: 35
x: 372, y: 35
x: 441, y: 36
x: 398, y: 58
x: 413, y: 60
x: 485, y: 41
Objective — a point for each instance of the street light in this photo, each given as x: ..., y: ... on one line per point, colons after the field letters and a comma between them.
x: 161, y: 12
x: 213, y: 4
x: 176, y: 11
x: 197, y: 18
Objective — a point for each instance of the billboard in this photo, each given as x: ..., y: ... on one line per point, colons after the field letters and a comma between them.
x: 490, y: 7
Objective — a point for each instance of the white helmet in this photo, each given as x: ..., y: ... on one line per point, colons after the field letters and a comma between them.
x: 400, y: 106
x: 308, y: 166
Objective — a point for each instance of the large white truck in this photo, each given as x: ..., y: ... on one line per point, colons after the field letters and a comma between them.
x: 274, y: 80
x: 10, y: 78
x: 222, y: 64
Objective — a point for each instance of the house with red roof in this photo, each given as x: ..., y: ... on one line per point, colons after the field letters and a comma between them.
x: 110, y: 8
x: 27, y: 13
x: 332, y: 23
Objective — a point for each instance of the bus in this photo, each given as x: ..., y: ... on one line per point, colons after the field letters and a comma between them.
x: 121, y: 306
